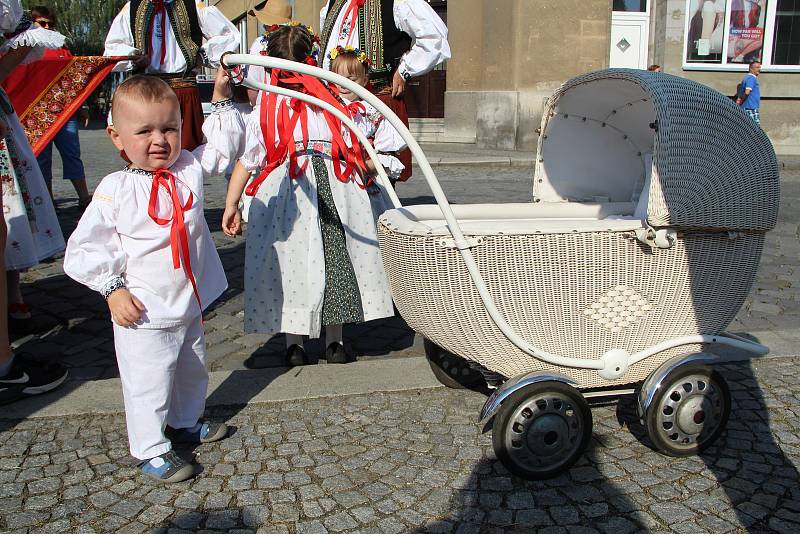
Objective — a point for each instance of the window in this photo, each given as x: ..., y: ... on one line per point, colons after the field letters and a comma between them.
x: 786, y: 44
x: 630, y: 6
x: 729, y: 34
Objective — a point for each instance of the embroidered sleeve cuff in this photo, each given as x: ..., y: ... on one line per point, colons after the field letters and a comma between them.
x: 222, y: 105
x: 112, y: 285
x: 403, y: 71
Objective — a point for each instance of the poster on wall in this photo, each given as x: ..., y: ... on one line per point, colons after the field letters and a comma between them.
x: 706, y: 30
x: 746, y: 32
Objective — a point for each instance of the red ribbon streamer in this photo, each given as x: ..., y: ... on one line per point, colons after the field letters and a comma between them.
x: 283, y: 119
x: 352, y: 13
x: 178, y: 237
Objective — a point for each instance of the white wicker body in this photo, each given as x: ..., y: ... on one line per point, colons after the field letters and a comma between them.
x: 694, y: 163
x: 576, y: 295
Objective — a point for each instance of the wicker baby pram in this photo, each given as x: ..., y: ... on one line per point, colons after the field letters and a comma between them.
x: 651, y: 198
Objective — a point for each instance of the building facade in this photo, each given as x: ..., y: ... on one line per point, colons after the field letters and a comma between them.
x: 510, y: 55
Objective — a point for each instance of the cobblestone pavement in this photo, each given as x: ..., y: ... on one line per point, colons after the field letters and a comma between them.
x: 411, y: 462
x: 72, y: 322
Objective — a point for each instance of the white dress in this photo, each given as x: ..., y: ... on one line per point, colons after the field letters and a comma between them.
x: 116, y: 237
x: 285, y: 269
x: 33, y: 230
x: 220, y: 36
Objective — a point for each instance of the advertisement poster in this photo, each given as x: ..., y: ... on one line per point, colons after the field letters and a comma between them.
x: 706, y: 30
x: 746, y: 32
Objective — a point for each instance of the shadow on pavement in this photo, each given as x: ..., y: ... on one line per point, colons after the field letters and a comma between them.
x: 755, y: 478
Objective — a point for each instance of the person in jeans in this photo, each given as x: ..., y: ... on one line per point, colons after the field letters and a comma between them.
x: 66, y: 140
x: 749, y: 96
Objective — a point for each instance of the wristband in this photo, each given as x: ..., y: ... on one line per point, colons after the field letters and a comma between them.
x: 112, y: 285
x: 222, y: 105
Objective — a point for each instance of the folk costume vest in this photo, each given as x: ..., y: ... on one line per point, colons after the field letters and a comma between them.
x: 378, y: 36
x: 183, y: 19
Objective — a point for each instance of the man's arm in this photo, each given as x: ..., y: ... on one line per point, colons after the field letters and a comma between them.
x: 429, y: 47
x: 119, y: 42
x: 221, y: 35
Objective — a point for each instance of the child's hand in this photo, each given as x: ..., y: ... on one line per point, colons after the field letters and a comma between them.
x: 222, y: 86
x: 231, y: 221
x: 126, y: 310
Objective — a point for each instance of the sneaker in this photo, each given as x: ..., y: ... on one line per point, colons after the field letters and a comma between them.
x: 168, y: 467
x: 296, y: 355
x: 26, y: 379
x: 335, y: 353
x: 202, y: 432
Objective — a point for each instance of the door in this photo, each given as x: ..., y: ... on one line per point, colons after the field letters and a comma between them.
x: 425, y: 94
x: 630, y: 24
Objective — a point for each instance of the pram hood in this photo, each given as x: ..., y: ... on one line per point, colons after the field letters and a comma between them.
x: 686, y: 154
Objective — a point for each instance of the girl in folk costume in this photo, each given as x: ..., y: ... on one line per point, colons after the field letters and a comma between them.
x: 33, y: 230
x: 354, y: 65
x: 170, y: 39
x: 403, y: 39
x: 312, y: 257
x: 144, y: 244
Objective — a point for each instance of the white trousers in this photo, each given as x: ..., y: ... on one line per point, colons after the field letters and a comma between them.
x: 164, y: 382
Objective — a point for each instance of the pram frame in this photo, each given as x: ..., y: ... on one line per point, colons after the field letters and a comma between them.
x: 611, y: 365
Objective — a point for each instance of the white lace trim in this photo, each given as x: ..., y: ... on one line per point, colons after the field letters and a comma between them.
x: 38, y: 38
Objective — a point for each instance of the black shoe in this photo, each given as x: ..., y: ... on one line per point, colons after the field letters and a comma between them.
x: 335, y: 353
x: 295, y: 355
x: 27, y: 379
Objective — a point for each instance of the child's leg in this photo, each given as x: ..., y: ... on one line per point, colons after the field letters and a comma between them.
x: 146, y: 360
x: 295, y: 353
x: 333, y: 334
x: 191, y: 378
x: 294, y: 339
x: 335, y: 352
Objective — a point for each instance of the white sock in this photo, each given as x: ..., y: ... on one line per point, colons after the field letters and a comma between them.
x: 333, y: 334
x: 293, y: 339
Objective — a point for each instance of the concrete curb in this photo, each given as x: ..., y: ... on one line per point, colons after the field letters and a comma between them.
x: 280, y: 384
x: 245, y: 386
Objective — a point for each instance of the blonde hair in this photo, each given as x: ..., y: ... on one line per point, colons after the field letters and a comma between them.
x: 144, y: 88
x: 348, y: 63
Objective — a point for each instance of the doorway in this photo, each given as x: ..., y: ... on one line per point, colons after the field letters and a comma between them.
x: 425, y: 94
x: 630, y: 34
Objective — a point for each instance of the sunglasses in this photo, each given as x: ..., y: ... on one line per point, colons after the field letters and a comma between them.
x: 45, y: 23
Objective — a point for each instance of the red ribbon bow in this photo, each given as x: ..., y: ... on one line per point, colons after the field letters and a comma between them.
x: 283, y: 119
x: 159, y: 9
x: 355, y: 108
x: 178, y: 236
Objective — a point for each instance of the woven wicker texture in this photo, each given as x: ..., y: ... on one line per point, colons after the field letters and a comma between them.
x: 713, y: 167
x: 576, y: 295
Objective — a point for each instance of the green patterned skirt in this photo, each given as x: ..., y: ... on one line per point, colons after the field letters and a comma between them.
x: 342, y: 301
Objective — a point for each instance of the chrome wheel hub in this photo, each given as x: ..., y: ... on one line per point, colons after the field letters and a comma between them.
x: 690, y: 410
x: 544, y: 431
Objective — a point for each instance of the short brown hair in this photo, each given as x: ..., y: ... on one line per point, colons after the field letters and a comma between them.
x: 143, y: 87
x: 43, y: 11
x: 654, y: 67
x: 350, y: 63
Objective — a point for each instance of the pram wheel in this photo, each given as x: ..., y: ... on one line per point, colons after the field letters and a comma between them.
x: 450, y: 370
x: 542, y: 429
x: 689, y: 411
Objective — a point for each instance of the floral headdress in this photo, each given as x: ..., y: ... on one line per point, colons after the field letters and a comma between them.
x: 358, y: 53
x: 313, y: 57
